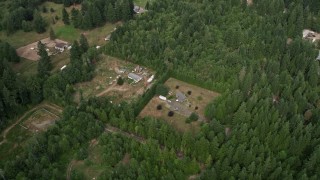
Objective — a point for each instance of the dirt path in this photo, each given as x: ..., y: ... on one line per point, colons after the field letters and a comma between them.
x: 69, y: 169
x: 6, y: 131
x: 112, y: 88
x: 113, y: 129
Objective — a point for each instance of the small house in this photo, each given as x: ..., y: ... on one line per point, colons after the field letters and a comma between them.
x: 318, y: 58
x: 136, y: 78
x: 136, y: 9
x: 180, y: 96
x: 61, y: 46
x: 108, y: 38
x: 308, y: 34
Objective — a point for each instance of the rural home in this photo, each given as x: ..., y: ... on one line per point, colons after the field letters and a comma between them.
x: 61, y: 46
x: 310, y: 35
x: 134, y: 77
x: 318, y: 58
x: 180, y: 97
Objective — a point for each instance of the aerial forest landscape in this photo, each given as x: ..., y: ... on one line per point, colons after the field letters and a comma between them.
x: 159, y: 89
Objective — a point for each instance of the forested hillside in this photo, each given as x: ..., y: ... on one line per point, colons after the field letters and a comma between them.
x: 265, y: 124
x: 270, y: 85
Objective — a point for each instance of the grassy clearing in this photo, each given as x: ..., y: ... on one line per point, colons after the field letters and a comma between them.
x: 177, y: 120
x: 199, y: 97
x: 18, y: 136
x: 196, y: 101
x: 104, y: 82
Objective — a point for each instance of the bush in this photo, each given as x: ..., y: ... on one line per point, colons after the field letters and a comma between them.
x: 189, y: 92
x: 177, y: 86
x: 44, y: 9
x: 159, y: 107
x: 170, y: 113
x: 196, y: 108
x: 193, y: 117
x: 51, y: 10
x: 162, y: 90
x: 120, y: 81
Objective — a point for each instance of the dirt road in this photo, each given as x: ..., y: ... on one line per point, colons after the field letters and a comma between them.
x: 112, y: 88
x: 42, y: 105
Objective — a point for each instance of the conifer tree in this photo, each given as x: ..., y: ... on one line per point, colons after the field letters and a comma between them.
x: 44, y: 65
x: 65, y: 17
x: 84, y: 45
x: 111, y: 14
x: 39, y: 23
x: 52, y: 34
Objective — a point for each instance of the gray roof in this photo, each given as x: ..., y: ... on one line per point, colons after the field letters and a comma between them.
x: 180, y: 96
x: 61, y: 45
x: 134, y: 77
x: 318, y: 58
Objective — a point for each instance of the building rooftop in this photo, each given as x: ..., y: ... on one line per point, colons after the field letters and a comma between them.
x: 180, y: 96
x: 61, y: 45
x: 134, y: 77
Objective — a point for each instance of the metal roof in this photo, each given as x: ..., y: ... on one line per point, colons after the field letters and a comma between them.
x: 180, y: 96
x: 134, y: 77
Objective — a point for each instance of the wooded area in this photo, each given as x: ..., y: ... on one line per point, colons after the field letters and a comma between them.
x: 265, y: 124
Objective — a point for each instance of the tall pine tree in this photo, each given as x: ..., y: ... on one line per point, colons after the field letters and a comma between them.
x: 65, y: 17
x: 44, y: 65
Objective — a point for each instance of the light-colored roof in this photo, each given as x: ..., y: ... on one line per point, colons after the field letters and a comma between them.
x: 318, y: 58
x: 180, y: 96
x: 134, y: 77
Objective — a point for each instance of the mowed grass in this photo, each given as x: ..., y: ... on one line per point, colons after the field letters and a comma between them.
x: 196, y: 102
x: 177, y: 120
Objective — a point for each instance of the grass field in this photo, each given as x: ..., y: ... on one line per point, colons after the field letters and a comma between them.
x: 177, y: 120
x: 34, y: 122
x: 196, y: 101
x: 105, y: 81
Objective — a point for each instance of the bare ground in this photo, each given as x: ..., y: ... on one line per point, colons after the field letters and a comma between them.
x: 30, y: 51
x: 5, y: 132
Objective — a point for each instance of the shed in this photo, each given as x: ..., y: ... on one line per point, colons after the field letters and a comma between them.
x: 108, y: 38
x: 136, y: 9
x: 318, y: 58
x: 180, y: 97
x: 150, y: 79
x: 162, y: 98
x: 134, y: 77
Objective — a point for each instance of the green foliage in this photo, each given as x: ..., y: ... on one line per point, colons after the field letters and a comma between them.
x: 39, y: 23
x: 44, y: 65
x: 120, y: 81
x: 193, y: 117
x: 162, y: 90
x: 52, y: 34
x: 65, y: 17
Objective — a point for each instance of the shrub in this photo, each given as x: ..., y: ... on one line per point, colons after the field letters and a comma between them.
x: 159, y: 107
x: 120, y: 81
x: 193, y: 117
x: 189, y: 92
x: 162, y: 90
x: 177, y: 86
x: 196, y: 108
x: 51, y: 10
x: 170, y: 113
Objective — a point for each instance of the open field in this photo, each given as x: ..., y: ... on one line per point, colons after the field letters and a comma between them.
x: 30, y: 51
x: 36, y: 120
x: 141, y: 3
x: 196, y: 99
x: 177, y: 120
x: 108, y: 70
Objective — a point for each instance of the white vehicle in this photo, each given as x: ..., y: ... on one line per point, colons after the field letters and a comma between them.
x: 63, y: 67
x: 162, y: 98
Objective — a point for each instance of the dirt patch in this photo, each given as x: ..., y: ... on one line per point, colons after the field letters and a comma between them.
x: 30, y: 51
x: 107, y: 72
x: 126, y: 159
x: 249, y: 2
x: 40, y: 120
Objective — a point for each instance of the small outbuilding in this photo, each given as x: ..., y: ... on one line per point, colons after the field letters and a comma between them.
x: 136, y: 78
x: 180, y: 96
x: 108, y: 38
x: 318, y: 58
x: 162, y: 98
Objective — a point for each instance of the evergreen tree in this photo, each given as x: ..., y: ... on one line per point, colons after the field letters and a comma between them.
x: 87, y: 22
x: 65, y: 17
x: 39, y: 23
x: 75, y: 54
x: 126, y: 11
x: 44, y: 65
x: 111, y: 14
x: 52, y: 34
x: 84, y: 45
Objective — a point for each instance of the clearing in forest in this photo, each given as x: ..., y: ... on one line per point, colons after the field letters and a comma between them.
x: 34, y: 121
x: 30, y: 51
x: 108, y: 71
x: 183, y: 100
